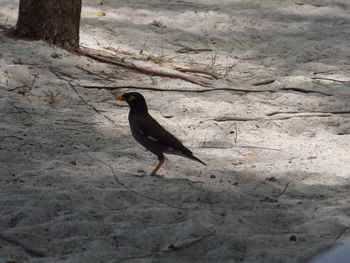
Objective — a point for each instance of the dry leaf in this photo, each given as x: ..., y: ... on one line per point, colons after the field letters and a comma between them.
x: 22, y: 91
x: 96, y: 13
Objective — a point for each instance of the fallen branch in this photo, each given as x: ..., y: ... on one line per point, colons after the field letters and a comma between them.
x: 200, y: 71
x: 31, y: 251
x: 150, y: 71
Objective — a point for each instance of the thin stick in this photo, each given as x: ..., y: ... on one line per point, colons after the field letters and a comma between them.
x: 257, y: 147
x: 131, y: 190
x: 170, y: 89
x: 306, y: 91
x: 190, y: 50
x: 283, y: 191
x: 200, y: 90
x: 31, y: 251
x: 135, y: 257
x: 35, y: 78
x: 335, y: 80
x: 342, y: 232
x: 59, y: 75
x: 93, y: 73
x: 184, y: 245
x: 298, y: 112
x: 82, y: 99
x: 220, y: 119
x: 170, y: 248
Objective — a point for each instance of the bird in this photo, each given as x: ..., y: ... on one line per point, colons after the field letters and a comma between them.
x: 150, y: 134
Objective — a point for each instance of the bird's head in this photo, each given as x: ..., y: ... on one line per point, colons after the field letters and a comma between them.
x: 135, y: 100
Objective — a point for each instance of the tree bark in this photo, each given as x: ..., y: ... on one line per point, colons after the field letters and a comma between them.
x: 56, y: 21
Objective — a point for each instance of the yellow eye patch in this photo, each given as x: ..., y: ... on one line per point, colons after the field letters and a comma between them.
x: 119, y: 97
x: 130, y: 98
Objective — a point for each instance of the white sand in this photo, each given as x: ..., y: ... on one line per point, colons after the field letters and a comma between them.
x: 273, y: 190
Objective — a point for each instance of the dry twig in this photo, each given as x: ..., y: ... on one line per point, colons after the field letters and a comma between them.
x: 170, y: 89
x: 306, y: 91
x: 192, y: 50
x: 329, y: 79
x: 181, y: 245
x: 298, y: 112
x: 93, y: 73
x: 257, y: 147
x: 283, y: 191
x: 133, y: 191
x: 228, y: 118
x: 83, y: 100
x: 136, y: 257
x: 342, y: 232
x: 60, y: 76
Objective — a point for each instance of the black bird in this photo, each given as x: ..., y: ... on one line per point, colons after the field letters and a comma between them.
x: 150, y: 134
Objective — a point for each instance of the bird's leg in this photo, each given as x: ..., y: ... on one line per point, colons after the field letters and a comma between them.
x: 161, y: 161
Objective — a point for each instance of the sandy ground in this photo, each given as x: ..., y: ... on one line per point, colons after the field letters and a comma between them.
x: 275, y: 189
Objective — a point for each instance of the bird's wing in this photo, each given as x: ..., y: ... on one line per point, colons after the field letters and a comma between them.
x: 150, y: 128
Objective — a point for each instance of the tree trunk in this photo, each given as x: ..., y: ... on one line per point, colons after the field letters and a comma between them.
x: 56, y: 21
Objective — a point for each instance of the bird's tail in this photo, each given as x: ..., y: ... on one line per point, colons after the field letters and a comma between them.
x: 186, y: 153
x: 196, y: 159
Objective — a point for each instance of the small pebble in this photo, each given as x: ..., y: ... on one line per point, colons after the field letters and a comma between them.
x: 271, y: 179
x: 293, y: 238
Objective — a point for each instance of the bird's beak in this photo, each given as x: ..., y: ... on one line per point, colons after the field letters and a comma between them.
x: 119, y: 97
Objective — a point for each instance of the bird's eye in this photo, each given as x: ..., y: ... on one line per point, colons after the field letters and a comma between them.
x: 130, y: 98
